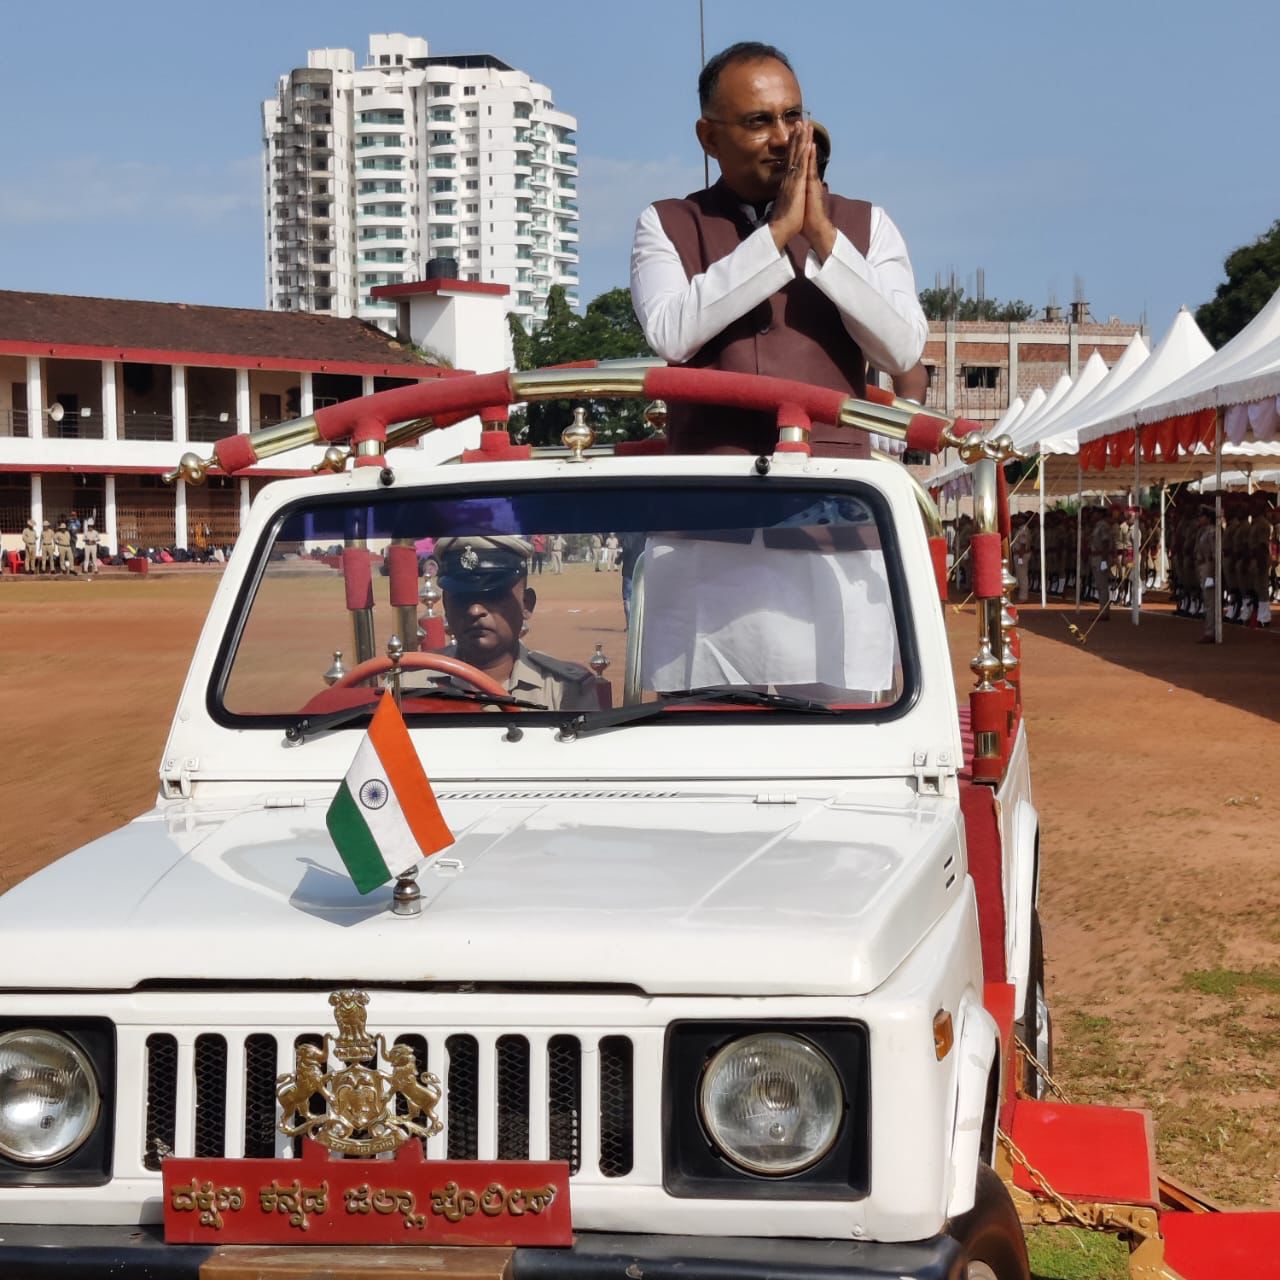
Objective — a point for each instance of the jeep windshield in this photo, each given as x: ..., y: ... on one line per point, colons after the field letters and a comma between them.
x: 571, y: 599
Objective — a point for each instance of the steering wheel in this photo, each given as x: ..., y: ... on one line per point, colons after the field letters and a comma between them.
x: 415, y: 661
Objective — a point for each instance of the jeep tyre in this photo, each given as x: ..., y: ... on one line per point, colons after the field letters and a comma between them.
x: 990, y: 1234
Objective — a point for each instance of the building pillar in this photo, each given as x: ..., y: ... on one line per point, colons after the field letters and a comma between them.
x: 37, y: 500
x: 110, y: 419
x: 244, y: 502
x: 244, y: 416
x: 1073, y: 349
x: 366, y: 385
x: 178, y: 400
x: 35, y: 399
x: 307, y: 395
x: 180, y: 514
x: 111, y: 533
x: 1013, y: 361
x: 951, y: 368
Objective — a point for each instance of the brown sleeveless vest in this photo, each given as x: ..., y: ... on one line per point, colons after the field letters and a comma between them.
x: 797, y: 333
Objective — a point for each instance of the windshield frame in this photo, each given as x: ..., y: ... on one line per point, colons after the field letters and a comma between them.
x: 819, y: 485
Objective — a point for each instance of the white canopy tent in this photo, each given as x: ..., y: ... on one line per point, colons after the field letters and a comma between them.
x: 1059, y: 435
x: 1094, y: 372
x: 1185, y: 421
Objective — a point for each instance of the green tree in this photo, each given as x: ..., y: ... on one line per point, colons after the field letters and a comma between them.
x: 608, y: 330
x: 1253, y: 275
x: 950, y: 304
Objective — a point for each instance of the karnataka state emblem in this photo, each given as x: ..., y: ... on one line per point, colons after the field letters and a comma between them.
x: 360, y: 1115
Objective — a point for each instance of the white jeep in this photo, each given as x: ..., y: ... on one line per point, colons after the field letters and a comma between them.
x: 712, y: 940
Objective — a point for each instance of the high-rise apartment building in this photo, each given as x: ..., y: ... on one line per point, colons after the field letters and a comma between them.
x: 372, y: 173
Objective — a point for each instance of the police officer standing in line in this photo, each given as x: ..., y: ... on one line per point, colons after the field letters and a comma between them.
x: 1102, y: 554
x: 1210, y: 587
x: 90, y: 539
x: 30, y: 539
x: 62, y: 542
x: 48, y: 549
x: 487, y: 604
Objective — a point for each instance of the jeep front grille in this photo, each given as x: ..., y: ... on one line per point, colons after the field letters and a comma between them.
x: 507, y: 1096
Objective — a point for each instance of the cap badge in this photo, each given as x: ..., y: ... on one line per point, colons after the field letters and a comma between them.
x: 469, y: 559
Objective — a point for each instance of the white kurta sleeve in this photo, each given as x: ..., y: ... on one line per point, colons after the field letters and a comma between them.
x: 678, y: 315
x: 876, y: 295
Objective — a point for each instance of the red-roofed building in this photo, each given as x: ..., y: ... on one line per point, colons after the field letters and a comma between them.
x: 100, y: 396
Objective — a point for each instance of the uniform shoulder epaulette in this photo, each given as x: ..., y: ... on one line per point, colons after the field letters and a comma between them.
x: 560, y: 667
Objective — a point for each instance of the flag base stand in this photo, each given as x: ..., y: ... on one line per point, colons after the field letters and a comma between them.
x: 406, y: 898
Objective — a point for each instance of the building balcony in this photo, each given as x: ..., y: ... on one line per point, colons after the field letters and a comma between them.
x: 206, y: 428
x: 13, y: 423
x: 147, y: 426
x: 541, y: 272
x: 522, y: 215
x: 364, y: 197
x: 565, y: 252
x: 442, y: 167
x: 540, y: 180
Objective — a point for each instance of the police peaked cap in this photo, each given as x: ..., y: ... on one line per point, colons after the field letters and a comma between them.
x: 476, y: 565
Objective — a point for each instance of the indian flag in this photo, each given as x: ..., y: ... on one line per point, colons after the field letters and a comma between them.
x: 385, y: 816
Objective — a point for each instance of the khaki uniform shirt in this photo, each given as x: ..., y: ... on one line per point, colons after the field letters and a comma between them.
x: 537, y: 677
x: 29, y: 537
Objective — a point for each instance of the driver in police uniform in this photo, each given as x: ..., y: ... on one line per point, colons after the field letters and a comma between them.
x: 487, y: 604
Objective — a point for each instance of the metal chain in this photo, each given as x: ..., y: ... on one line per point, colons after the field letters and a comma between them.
x: 1070, y: 1212
x: 1040, y: 1069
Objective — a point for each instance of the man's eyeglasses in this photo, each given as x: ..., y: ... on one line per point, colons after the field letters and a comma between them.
x: 760, y: 124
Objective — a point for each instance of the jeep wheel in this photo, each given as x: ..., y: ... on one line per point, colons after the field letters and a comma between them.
x: 990, y: 1234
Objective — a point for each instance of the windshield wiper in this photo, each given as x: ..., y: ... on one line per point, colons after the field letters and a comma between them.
x: 581, y: 727
x: 309, y: 726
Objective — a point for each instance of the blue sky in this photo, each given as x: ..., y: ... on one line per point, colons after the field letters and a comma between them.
x: 1129, y: 143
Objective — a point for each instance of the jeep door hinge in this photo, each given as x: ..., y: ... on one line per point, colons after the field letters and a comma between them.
x: 175, y: 777
x: 930, y: 768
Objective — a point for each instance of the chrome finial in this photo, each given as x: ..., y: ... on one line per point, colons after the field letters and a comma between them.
x: 395, y: 651
x: 578, y: 436
x: 335, y: 460
x: 431, y: 595
x: 337, y: 671
x: 191, y: 469
x: 599, y: 662
x: 655, y: 415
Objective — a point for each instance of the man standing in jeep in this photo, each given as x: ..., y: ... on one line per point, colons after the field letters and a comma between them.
x: 766, y: 271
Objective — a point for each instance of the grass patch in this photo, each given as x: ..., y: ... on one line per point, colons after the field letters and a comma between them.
x: 1227, y: 982
x: 1066, y: 1253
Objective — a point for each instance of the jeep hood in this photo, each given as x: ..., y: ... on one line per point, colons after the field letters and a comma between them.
x: 710, y: 894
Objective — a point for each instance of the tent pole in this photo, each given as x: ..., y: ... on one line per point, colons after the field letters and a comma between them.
x: 1135, y: 532
x: 1044, y: 585
x: 1079, y: 527
x: 1217, y: 531
x: 1162, y: 565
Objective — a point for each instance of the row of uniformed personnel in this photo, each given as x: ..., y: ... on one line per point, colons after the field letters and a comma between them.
x: 50, y: 550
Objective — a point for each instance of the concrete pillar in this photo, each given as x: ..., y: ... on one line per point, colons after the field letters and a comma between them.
x: 1073, y: 349
x: 244, y: 502
x: 244, y: 416
x: 950, y: 405
x: 366, y: 385
x: 178, y: 400
x: 1013, y: 361
x: 308, y: 395
x: 110, y: 418
x: 35, y: 399
x: 180, y: 514
x: 111, y: 531
x: 37, y: 499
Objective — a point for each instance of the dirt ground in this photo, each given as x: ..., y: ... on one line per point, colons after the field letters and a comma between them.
x: 1155, y: 765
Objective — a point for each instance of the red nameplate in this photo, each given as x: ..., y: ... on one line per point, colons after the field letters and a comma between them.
x: 408, y: 1200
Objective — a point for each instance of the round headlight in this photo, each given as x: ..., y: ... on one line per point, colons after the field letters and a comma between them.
x: 772, y: 1103
x: 48, y: 1097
